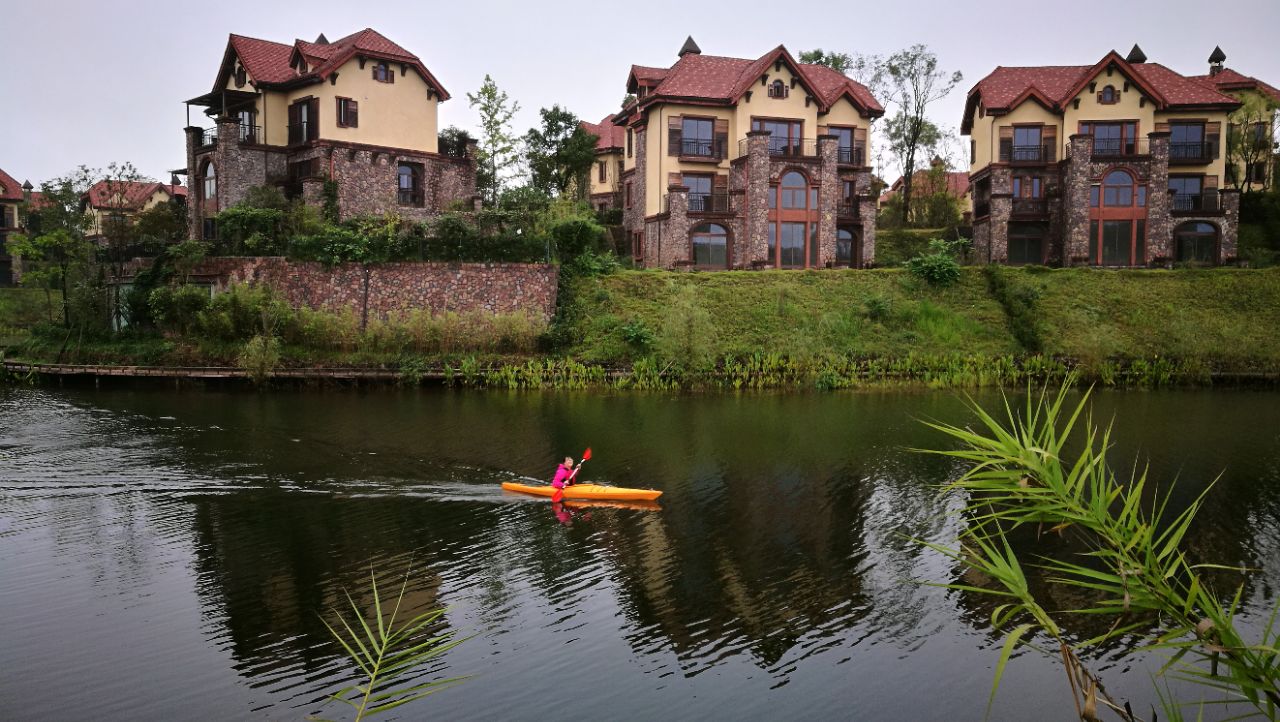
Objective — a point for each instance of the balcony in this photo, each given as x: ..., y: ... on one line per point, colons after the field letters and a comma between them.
x: 1111, y: 148
x: 702, y: 149
x: 1206, y: 202
x: 847, y: 209
x: 855, y: 155
x: 784, y: 147
x: 208, y: 138
x: 301, y: 132
x: 1037, y: 207
x: 1027, y: 154
x: 1191, y: 152
x: 251, y: 134
x: 714, y: 202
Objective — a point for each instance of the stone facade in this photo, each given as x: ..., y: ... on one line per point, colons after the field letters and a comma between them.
x: 389, y: 288
x: 1066, y: 214
x: 367, y: 176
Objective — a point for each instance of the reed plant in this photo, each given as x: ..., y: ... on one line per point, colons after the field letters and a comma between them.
x: 1021, y: 474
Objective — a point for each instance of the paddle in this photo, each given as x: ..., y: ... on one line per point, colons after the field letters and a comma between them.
x: 559, y: 493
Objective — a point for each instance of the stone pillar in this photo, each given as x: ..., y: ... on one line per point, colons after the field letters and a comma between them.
x: 1159, y: 203
x: 828, y: 196
x: 633, y: 217
x: 676, y: 246
x: 1228, y: 250
x: 232, y: 173
x: 755, y: 249
x: 868, y: 206
x: 195, y: 217
x: 1001, y: 211
x: 1075, y: 201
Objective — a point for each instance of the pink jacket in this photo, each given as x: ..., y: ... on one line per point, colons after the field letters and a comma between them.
x: 562, y: 475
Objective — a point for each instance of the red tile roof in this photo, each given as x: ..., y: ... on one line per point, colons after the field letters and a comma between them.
x: 1056, y: 85
x: 10, y: 188
x: 957, y: 184
x: 721, y: 79
x: 271, y: 62
x: 1227, y: 80
x: 134, y: 193
x: 611, y: 137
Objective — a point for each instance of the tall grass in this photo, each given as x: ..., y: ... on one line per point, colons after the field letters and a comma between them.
x: 1021, y: 474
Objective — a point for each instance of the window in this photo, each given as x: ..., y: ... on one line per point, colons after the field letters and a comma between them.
x: 628, y: 142
x: 846, y: 150
x: 1115, y: 242
x: 710, y: 246
x: 1186, y: 191
x: 1108, y: 96
x: 303, y: 123
x: 410, y: 185
x: 248, y: 130
x: 844, y: 247
x: 1256, y: 173
x: 241, y: 78
x: 628, y: 194
x: 602, y: 171
x: 1187, y: 142
x: 791, y: 236
x: 785, y: 136
x: 1117, y: 189
x: 1117, y: 230
x: 778, y: 89
x: 1112, y: 138
x: 208, y: 182
x: 209, y: 229
x: 973, y: 151
x: 1026, y: 243
x: 382, y: 73
x: 697, y: 137
x: 793, y: 190
x: 637, y: 244
x: 348, y: 113
x: 1196, y: 242
x: 1027, y: 186
x: 699, y: 192
x: 1025, y: 146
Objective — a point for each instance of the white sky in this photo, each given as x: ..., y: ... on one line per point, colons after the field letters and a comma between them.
x: 93, y: 82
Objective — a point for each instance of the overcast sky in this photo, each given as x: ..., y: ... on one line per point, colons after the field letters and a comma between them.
x: 95, y: 82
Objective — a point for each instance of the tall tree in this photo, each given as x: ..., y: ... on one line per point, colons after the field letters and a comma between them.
x: 1250, y: 134
x: 913, y: 82
x: 560, y: 153
x: 866, y: 69
x: 498, y: 152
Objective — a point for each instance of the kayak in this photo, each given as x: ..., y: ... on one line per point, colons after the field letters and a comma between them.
x: 612, y: 504
x: 586, y: 491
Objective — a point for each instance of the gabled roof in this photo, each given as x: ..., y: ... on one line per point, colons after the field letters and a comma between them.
x: 1056, y: 85
x: 1227, y: 80
x: 957, y: 183
x: 134, y: 194
x: 611, y: 137
x: 724, y: 80
x: 10, y: 188
x: 271, y: 63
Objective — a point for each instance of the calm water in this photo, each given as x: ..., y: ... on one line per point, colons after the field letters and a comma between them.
x: 165, y: 555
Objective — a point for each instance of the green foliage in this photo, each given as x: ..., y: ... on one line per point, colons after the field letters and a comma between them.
x: 686, y: 339
x: 577, y: 236
x: 161, y: 225
x: 329, y: 209
x: 937, y: 267
x: 241, y: 311
x: 497, y: 152
x: 269, y: 197
x: 1030, y: 471
x: 912, y: 83
x: 177, y: 309
x: 260, y: 357
x: 879, y: 308
x: 1020, y: 303
x: 243, y: 228
x: 1243, y: 147
x: 59, y: 259
x: 560, y: 153
x: 638, y: 334
x: 453, y: 141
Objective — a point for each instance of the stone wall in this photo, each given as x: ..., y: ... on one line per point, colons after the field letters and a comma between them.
x: 395, y: 287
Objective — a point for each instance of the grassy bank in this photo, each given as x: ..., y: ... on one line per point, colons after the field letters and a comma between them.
x: 823, y: 329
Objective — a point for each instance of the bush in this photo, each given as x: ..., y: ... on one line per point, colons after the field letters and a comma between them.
x: 938, y: 267
x: 260, y: 357
x: 879, y: 308
x: 177, y: 309
x: 638, y: 335
x: 245, y: 228
x: 577, y: 236
x: 688, y: 335
x: 242, y: 311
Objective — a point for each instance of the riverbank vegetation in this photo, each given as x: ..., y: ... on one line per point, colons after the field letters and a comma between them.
x: 1043, y: 470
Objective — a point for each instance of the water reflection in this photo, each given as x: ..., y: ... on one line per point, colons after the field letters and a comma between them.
x: 778, y: 573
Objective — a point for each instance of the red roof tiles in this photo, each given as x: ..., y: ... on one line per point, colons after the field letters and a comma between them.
x: 1227, y: 80
x: 611, y: 137
x: 133, y: 194
x: 10, y: 188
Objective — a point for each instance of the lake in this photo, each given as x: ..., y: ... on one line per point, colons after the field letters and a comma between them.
x: 169, y: 554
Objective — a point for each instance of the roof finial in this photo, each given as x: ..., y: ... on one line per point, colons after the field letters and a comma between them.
x: 689, y: 47
x: 322, y: 40
x: 1216, y: 59
x: 1136, y: 55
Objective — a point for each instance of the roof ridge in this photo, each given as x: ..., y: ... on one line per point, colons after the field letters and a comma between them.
x: 260, y: 40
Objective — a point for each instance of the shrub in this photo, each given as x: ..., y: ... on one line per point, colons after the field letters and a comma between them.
x: 257, y: 230
x: 638, y: 335
x: 177, y: 309
x: 879, y: 308
x: 577, y: 236
x: 242, y: 310
x: 688, y: 335
x: 260, y: 357
x: 937, y: 267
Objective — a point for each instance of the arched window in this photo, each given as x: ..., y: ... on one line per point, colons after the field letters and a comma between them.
x: 793, y: 190
x: 778, y: 89
x: 1108, y: 95
x: 1196, y: 242
x: 844, y: 247
x: 710, y: 246
x: 1117, y: 190
x: 208, y: 182
x: 1118, y: 221
x: 793, y: 223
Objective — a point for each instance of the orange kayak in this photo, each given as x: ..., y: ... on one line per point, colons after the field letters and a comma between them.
x: 586, y: 491
x: 611, y: 504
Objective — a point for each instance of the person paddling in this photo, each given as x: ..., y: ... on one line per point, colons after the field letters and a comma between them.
x: 566, y: 474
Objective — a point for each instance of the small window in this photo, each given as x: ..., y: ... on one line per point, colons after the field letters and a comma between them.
x: 778, y: 89
x: 209, y: 229
x: 409, y: 185
x: 628, y: 142
x: 973, y: 152
x: 348, y: 113
x: 241, y: 77
x: 628, y: 194
x: 382, y: 73
x: 209, y: 183
x: 710, y: 243
x: 602, y: 170
x: 1108, y: 96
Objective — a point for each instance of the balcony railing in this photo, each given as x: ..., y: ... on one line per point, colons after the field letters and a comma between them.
x: 1010, y: 153
x: 1191, y: 152
x: 847, y: 209
x: 1207, y: 202
x: 784, y: 147
x: 251, y: 134
x: 208, y: 137
x: 299, y: 132
x: 1030, y: 207
x: 1120, y: 147
x: 855, y: 155
x: 702, y: 148
x: 713, y: 202
x: 981, y: 208
x: 410, y: 198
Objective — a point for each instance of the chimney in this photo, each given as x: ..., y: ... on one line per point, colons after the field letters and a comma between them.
x: 1136, y: 55
x: 322, y: 40
x: 26, y: 191
x: 1216, y: 60
x: 689, y: 47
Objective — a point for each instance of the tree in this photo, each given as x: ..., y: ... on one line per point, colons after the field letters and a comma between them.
x: 454, y: 141
x: 497, y: 151
x: 868, y: 70
x: 1251, y: 130
x: 161, y: 225
x: 913, y: 81
x: 560, y: 153
x: 56, y: 260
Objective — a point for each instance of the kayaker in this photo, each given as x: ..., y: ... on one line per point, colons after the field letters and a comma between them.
x: 564, y: 474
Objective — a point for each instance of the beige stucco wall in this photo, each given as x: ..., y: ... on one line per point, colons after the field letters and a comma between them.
x: 611, y: 180
x: 396, y: 115
x: 1127, y: 108
x: 986, y: 130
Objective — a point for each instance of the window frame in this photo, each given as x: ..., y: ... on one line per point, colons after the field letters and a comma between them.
x: 697, y: 233
x: 348, y: 113
x: 388, y: 74
x: 413, y: 196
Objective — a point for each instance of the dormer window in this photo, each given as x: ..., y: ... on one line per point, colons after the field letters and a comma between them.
x: 778, y: 89
x: 241, y: 77
x: 382, y: 73
x: 1108, y: 96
